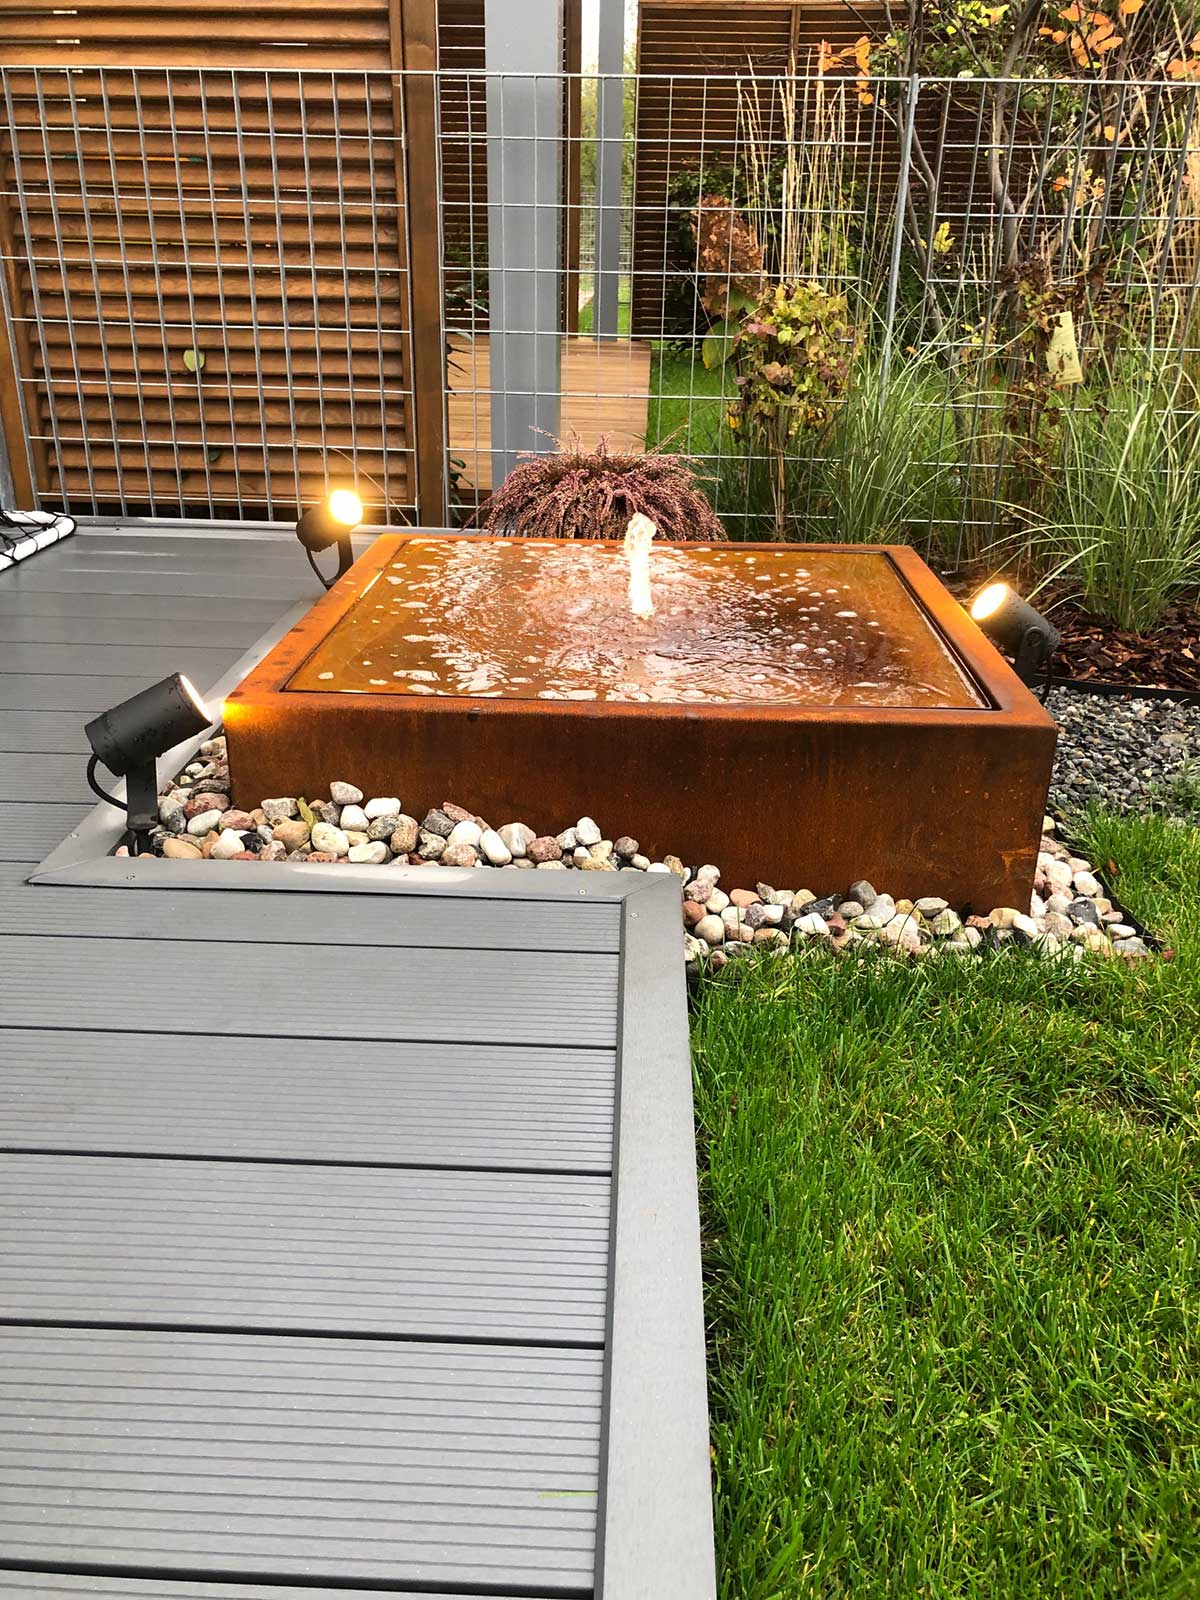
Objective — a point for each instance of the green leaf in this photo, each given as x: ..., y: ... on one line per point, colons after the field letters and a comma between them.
x: 718, y: 346
x: 306, y: 811
x: 193, y: 360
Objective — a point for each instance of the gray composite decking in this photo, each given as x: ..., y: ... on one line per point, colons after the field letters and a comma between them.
x: 348, y: 1240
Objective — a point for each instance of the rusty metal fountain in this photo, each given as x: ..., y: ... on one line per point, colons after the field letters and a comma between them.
x: 834, y: 701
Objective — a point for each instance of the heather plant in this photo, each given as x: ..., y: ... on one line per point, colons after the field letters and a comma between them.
x: 592, y: 494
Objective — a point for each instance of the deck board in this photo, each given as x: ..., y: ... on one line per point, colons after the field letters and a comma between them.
x: 272, y: 989
x: 496, y: 1106
x: 348, y: 1250
x: 314, y: 1459
x: 307, y: 1273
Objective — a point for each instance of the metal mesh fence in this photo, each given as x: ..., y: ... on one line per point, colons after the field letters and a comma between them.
x: 860, y: 310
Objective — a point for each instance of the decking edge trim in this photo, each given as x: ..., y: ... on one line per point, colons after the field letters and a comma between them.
x: 655, y: 1528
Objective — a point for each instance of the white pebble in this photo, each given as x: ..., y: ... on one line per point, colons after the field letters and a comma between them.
x: 517, y: 839
x: 465, y: 833
x: 329, y: 840
x: 384, y: 806
x: 494, y: 848
x: 811, y: 922
x: 229, y: 844
x: 204, y: 822
x: 353, y: 819
x: 587, y: 832
x: 1086, y: 883
x: 373, y: 854
x: 345, y: 794
x: 711, y: 929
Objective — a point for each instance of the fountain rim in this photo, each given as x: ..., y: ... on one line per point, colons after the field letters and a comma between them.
x: 1003, y: 694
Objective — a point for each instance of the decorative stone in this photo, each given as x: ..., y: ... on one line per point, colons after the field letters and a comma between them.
x: 438, y: 822
x: 549, y: 866
x: 810, y: 922
x: 658, y: 866
x: 693, y: 912
x: 356, y: 835
x: 459, y: 853
x: 382, y: 806
x: 851, y: 909
x: 180, y: 850
x: 944, y: 923
x: 466, y: 832
x: 430, y: 846
x: 640, y: 863
x: 494, y: 848
x: 353, y: 818
x: 242, y: 820
x: 625, y: 847
x: 587, y: 832
x: 1084, y: 911
x: 601, y: 851
x: 592, y: 863
x: 292, y: 834
x: 800, y: 901
x: 280, y: 809
x: 328, y: 840
x: 372, y: 854
x: 863, y: 892
x: 743, y: 898
x: 229, y: 844
x: 403, y: 836
x: 544, y: 849
x: 675, y: 865
x: 195, y: 804
x: 345, y: 794
x: 711, y: 929
x: 1086, y: 883
x: 203, y: 822
x: 762, y: 915
x: 930, y: 905
x: 457, y: 813
x: 717, y: 901
x: 517, y: 839
x: 1132, y: 946
x: 384, y: 827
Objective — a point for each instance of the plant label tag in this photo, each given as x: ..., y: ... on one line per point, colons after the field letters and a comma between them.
x: 1062, y: 356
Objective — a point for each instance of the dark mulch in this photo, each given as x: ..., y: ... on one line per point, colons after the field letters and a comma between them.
x: 1096, y: 650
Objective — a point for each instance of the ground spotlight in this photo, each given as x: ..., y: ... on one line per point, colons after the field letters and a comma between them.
x: 1014, y: 626
x: 129, y: 739
x: 331, y: 521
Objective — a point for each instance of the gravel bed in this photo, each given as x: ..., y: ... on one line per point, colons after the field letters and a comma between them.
x: 1067, y: 917
x: 1121, y: 751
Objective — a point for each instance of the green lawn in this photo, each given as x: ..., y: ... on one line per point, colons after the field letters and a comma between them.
x: 951, y: 1221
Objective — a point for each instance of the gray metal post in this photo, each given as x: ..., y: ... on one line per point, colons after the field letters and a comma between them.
x: 893, y: 284
x: 610, y: 135
x: 524, y: 138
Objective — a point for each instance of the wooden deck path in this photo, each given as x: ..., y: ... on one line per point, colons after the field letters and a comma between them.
x: 605, y: 394
x: 348, y: 1240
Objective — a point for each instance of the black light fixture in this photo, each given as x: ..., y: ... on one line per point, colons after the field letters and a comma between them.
x: 1015, y: 627
x: 129, y: 739
x: 331, y: 522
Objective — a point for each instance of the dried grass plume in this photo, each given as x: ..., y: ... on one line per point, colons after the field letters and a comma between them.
x: 591, y: 494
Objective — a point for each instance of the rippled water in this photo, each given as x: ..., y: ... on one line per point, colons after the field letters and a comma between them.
x: 490, y: 619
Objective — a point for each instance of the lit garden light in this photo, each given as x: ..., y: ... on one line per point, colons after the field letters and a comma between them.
x: 1015, y: 627
x: 129, y: 739
x: 331, y: 522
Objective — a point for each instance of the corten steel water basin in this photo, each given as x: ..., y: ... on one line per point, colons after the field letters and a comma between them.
x: 811, y: 714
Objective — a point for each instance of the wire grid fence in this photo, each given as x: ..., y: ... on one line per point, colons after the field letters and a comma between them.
x: 207, y: 295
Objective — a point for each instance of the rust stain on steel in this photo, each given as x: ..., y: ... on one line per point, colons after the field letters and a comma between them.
x: 920, y: 800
